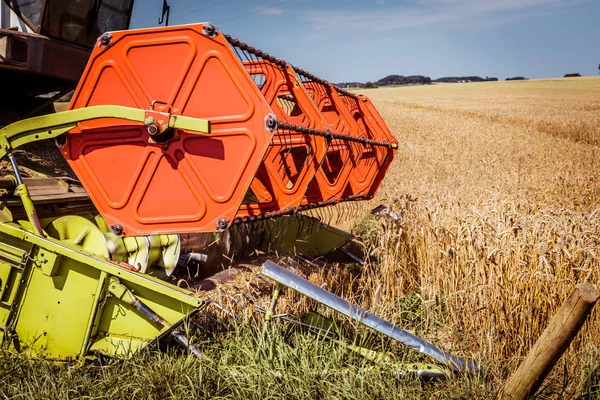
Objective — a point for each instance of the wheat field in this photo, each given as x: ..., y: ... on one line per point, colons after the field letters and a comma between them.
x: 499, y: 188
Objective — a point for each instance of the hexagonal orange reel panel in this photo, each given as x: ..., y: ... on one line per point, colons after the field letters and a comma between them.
x: 293, y: 157
x: 380, y: 131
x: 188, y: 182
x: 364, y: 161
x: 374, y: 161
x: 343, y: 160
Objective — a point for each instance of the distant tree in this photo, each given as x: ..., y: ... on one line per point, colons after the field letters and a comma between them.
x: 395, y: 80
x: 599, y: 68
x: 454, y: 79
x: 370, y: 85
x: 572, y: 75
x: 517, y: 78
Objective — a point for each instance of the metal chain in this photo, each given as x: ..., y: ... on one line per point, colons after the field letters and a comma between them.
x: 292, y: 211
x: 332, y: 135
x: 255, y: 51
x: 323, y: 82
x: 278, y: 61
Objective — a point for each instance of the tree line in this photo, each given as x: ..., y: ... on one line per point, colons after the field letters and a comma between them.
x: 395, y: 80
x: 457, y: 79
x: 390, y: 80
x: 398, y: 80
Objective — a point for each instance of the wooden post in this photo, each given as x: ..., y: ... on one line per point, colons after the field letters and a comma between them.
x: 553, y: 342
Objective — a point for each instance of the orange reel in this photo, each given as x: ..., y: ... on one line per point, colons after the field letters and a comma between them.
x: 275, y: 146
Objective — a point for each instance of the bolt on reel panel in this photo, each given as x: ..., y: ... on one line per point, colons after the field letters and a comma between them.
x: 148, y: 182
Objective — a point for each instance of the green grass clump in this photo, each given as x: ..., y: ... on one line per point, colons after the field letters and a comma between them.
x: 298, y: 366
x: 590, y: 383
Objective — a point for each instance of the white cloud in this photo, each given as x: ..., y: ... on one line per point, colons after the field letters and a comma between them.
x: 428, y: 13
x: 272, y: 11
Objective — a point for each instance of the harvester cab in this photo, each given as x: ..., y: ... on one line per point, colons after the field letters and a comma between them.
x: 179, y: 137
x: 44, y: 47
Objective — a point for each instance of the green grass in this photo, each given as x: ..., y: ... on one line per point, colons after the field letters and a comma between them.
x: 296, y: 366
x: 590, y: 383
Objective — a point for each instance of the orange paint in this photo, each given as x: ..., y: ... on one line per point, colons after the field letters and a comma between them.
x: 195, y: 182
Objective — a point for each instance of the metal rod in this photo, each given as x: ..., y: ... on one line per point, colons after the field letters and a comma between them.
x: 182, y: 340
x: 334, y: 135
x: 15, y: 167
x: 26, y: 200
x: 124, y: 294
x: 256, y: 52
x: 301, y: 285
x: 26, y: 21
x: 224, y: 310
x: 304, y: 75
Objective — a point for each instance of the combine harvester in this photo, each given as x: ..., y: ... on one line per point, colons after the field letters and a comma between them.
x: 179, y: 136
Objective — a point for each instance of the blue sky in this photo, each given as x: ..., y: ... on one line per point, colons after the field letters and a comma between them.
x: 366, y: 40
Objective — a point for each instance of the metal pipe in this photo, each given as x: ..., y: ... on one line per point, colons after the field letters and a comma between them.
x: 23, y: 192
x: 15, y: 167
x: 160, y: 323
x: 22, y: 16
x: 182, y: 340
x: 120, y: 291
x: 147, y: 312
x: 301, y: 285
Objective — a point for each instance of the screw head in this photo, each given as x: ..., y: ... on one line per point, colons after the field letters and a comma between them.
x: 105, y: 39
x: 117, y: 229
x: 153, y: 129
x: 209, y: 30
x: 221, y: 225
x: 271, y: 122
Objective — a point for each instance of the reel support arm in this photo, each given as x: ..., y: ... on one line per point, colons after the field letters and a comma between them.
x: 53, y: 125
